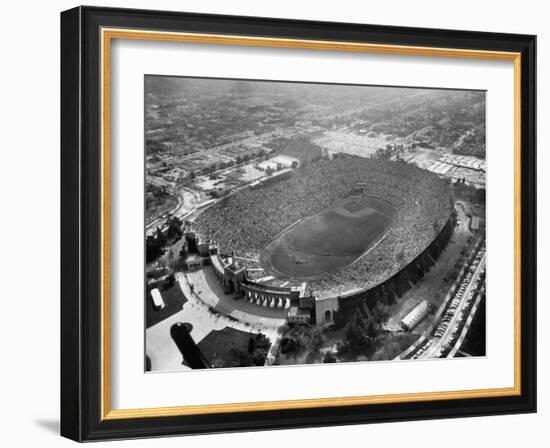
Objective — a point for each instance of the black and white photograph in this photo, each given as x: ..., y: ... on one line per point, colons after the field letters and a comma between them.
x: 291, y: 223
x: 274, y: 225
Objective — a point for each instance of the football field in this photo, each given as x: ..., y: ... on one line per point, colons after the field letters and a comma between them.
x: 330, y: 239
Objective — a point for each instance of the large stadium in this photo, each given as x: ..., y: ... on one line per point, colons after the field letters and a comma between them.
x: 343, y: 225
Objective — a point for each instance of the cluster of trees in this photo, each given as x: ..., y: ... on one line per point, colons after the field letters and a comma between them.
x: 302, y: 149
x: 170, y: 281
x: 469, y: 192
x: 156, y: 244
x: 299, y: 340
x: 190, y: 246
x: 364, y: 327
x: 298, y: 337
x: 360, y: 335
x: 384, y: 153
x: 255, y: 354
x: 270, y: 170
x: 387, y: 152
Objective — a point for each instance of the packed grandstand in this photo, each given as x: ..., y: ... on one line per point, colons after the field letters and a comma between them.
x: 248, y: 220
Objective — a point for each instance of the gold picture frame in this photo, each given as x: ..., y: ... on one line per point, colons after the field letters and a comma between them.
x: 106, y: 33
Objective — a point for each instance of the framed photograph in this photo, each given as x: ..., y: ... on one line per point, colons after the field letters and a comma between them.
x: 276, y: 224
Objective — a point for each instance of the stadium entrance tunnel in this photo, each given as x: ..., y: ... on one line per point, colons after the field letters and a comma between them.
x: 330, y: 239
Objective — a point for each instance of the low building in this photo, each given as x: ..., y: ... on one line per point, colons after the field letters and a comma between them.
x: 417, y: 315
x: 203, y: 247
x: 299, y: 315
x: 325, y: 310
x: 474, y: 224
x: 193, y: 262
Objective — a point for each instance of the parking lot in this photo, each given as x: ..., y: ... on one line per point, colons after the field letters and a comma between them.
x: 456, y: 310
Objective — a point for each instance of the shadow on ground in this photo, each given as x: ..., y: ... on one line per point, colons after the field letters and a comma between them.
x: 51, y: 426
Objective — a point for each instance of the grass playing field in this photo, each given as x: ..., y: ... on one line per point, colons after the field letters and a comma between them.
x: 330, y: 239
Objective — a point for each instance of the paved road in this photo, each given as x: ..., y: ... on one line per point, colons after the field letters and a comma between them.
x: 188, y: 201
x: 439, y: 342
x: 465, y: 329
x: 433, y: 287
x: 210, y: 291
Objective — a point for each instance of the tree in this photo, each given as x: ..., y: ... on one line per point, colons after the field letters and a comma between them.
x: 283, y: 329
x: 358, y: 332
x: 343, y: 348
x: 259, y: 355
x: 170, y: 281
x: 256, y: 355
x: 183, y: 251
x: 153, y: 249
x: 174, y: 231
x: 314, y: 339
x: 288, y: 345
x: 251, y: 345
x: 160, y: 237
x: 191, y: 244
x: 381, y: 313
x: 480, y: 195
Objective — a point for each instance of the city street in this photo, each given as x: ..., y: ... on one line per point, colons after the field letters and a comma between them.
x: 437, y: 343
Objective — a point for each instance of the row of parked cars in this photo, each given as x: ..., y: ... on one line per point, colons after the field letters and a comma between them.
x: 422, y: 349
x: 457, y: 300
x: 453, y: 304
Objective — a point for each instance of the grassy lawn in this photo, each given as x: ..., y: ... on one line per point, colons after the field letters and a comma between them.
x: 173, y: 302
x: 220, y: 346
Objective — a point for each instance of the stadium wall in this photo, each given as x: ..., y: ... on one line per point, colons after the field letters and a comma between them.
x: 235, y: 279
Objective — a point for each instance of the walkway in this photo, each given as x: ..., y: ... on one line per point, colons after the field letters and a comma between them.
x: 161, y: 349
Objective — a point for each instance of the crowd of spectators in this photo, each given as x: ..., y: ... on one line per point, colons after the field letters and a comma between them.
x: 246, y: 221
